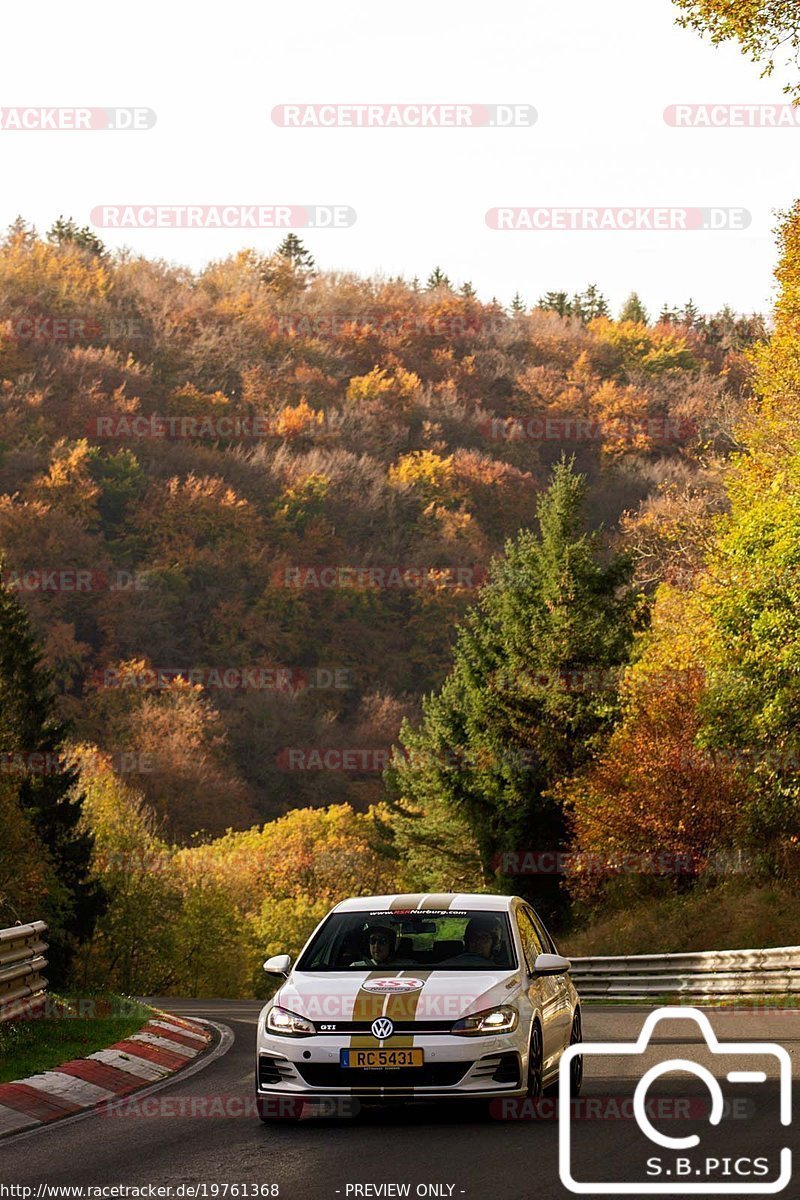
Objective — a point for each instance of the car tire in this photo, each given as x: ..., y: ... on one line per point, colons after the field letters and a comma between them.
x: 576, y: 1066
x: 535, y: 1090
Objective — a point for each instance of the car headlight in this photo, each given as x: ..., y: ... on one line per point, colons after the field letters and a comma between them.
x: 288, y: 1024
x: 492, y: 1020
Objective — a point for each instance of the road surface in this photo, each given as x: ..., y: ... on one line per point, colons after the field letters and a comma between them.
x: 196, y: 1130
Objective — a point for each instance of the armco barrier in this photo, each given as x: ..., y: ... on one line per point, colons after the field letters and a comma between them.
x: 773, y: 972
x: 22, y: 961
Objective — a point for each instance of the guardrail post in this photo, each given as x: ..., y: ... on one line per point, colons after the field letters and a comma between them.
x: 22, y: 963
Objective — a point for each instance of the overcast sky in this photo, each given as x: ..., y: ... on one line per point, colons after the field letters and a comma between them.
x: 599, y: 74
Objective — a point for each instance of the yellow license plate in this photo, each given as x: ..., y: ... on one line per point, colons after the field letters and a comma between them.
x: 381, y: 1058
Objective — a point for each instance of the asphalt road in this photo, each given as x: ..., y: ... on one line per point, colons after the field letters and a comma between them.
x: 195, y: 1130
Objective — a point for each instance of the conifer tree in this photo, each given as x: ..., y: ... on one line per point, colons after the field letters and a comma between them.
x: 66, y: 230
x: 590, y: 304
x: 292, y: 248
x: 33, y: 739
x: 556, y: 302
x: 528, y: 691
x: 437, y: 279
x: 690, y: 314
x: 634, y: 310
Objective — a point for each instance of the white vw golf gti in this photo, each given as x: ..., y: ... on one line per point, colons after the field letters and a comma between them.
x: 419, y: 997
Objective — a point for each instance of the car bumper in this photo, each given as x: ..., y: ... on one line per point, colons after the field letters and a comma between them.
x: 453, y: 1067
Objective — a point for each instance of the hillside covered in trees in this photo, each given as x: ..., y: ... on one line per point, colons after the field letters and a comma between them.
x: 183, y: 456
x: 267, y: 524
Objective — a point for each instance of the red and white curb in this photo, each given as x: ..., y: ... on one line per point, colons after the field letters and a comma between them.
x: 162, y: 1047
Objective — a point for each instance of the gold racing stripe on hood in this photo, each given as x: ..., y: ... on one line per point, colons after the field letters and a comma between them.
x: 440, y: 900
x: 402, y: 1006
x: 406, y: 902
x: 369, y: 1005
x: 421, y: 901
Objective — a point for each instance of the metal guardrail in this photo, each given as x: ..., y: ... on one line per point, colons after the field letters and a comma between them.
x: 22, y: 961
x: 772, y: 972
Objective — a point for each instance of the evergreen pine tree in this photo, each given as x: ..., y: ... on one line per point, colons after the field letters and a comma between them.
x: 691, y: 314
x: 590, y: 304
x: 528, y: 691
x: 66, y: 230
x: 556, y: 302
x: 20, y: 232
x: 32, y: 734
x: 437, y: 279
x: 517, y: 305
x: 292, y: 248
x: 634, y: 310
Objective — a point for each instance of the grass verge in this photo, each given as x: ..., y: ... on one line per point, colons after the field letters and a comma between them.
x: 735, y: 915
x: 67, y: 1029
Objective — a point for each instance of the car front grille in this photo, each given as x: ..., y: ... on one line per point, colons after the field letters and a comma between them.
x: 499, y: 1068
x: 419, y: 1027
x: 430, y: 1075
x: 273, y: 1070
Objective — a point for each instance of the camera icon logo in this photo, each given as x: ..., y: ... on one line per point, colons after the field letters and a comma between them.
x: 679, y: 1172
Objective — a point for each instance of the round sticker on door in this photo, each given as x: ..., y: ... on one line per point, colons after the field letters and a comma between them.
x: 392, y: 985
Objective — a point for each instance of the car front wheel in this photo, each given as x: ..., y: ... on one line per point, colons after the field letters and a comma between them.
x: 576, y: 1066
x: 535, y: 1063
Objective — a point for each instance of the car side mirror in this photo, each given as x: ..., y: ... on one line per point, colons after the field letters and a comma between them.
x: 551, y: 964
x: 279, y: 964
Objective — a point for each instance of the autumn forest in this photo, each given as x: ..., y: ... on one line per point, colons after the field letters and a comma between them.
x: 315, y: 584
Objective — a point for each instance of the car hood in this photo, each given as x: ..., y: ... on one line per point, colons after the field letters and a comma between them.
x: 330, y: 997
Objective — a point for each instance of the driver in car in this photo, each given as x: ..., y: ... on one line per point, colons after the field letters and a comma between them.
x: 382, y: 946
x: 481, y: 943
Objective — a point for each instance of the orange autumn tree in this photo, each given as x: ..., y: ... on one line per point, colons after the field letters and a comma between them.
x: 765, y: 29
x: 654, y: 801
x: 281, y: 878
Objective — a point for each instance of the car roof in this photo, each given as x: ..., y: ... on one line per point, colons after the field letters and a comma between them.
x: 426, y: 901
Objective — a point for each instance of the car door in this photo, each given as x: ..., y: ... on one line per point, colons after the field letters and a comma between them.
x: 543, y: 990
x: 562, y: 1010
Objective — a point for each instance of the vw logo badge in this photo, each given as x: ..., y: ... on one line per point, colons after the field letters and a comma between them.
x: 382, y: 1028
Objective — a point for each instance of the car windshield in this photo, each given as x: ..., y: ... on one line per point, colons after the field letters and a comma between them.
x: 446, y: 940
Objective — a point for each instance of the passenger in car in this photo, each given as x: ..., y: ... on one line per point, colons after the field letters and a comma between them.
x: 481, y: 943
